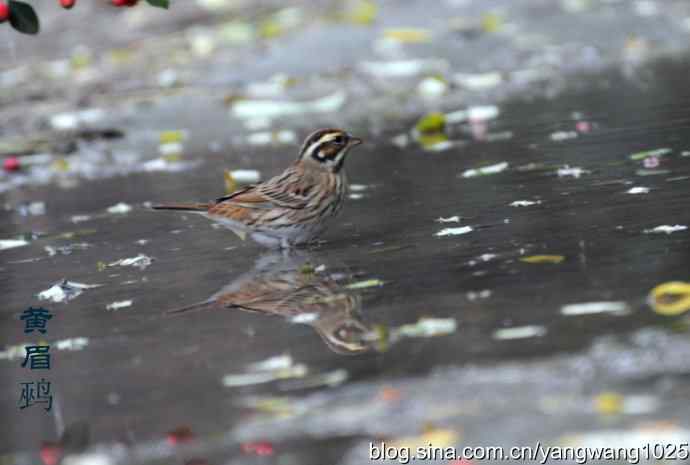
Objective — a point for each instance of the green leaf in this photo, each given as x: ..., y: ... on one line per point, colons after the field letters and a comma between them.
x: 23, y: 17
x: 159, y: 3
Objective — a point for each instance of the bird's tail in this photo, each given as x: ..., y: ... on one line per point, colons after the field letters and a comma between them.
x: 195, y: 207
x: 192, y: 308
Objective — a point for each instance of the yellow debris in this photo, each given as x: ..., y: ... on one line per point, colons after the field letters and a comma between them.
x: 169, y: 137
x: 408, y: 35
x: 543, y: 259
x: 609, y: 403
x: 431, y: 123
x: 671, y: 298
x: 363, y: 12
x: 436, y: 437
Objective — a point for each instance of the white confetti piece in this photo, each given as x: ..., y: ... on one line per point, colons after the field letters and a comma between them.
x: 64, y: 291
x: 12, y: 243
x: 426, y: 327
x: 560, y: 136
x: 589, y: 308
x: 245, y: 109
x: 304, y: 318
x: 519, y: 332
x: 118, y: 305
x: 76, y: 343
x: 574, y: 172
x: 525, y: 203
x: 246, y: 176
x: 474, y: 114
x: 667, y: 229
x: 120, y: 209
x: 141, y: 261
x: 454, y: 231
x: 478, y: 82
x: 450, y: 219
x: 485, y: 170
x: 638, y: 190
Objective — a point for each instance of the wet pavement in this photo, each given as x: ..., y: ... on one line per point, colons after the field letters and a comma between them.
x: 487, y: 283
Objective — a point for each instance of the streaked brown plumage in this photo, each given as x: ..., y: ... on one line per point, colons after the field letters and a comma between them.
x: 282, y: 285
x: 290, y: 208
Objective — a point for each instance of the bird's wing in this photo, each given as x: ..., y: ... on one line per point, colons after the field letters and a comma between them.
x: 288, y: 190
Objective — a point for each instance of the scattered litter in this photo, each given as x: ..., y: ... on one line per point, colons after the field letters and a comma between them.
x: 120, y: 209
x: 79, y: 218
x: 272, y: 138
x: 274, y: 368
x: 244, y: 109
x: 519, y: 332
x: 475, y: 114
x: 426, y: 327
x: 366, y: 284
x: 588, y: 308
x: 671, y: 298
x: 651, y: 172
x: 608, y: 403
x: 76, y: 343
x: 650, y: 153
x: 454, y: 231
x: 170, y: 164
x: 555, y: 259
x: 401, y: 140
x: 441, y: 438
x: 65, y: 249
x: 358, y: 187
x: 560, y: 136
x: 432, y: 87
x: 356, y: 196
x: 75, y: 120
x: 485, y: 170
x: 476, y: 295
x: 118, y: 305
x: 667, y: 229
x: 478, y: 82
x: 330, y: 379
x: 64, y: 291
x: 272, y: 87
x: 525, y: 203
x: 12, y: 243
x: 304, y: 318
x: 431, y: 123
x: 575, y: 172
x: 172, y: 136
x: 638, y: 190
x: 403, y: 68
x: 651, y: 162
x: 362, y: 12
x: 408, y: 35
x: 18, y: 351
x: 450, y: 219
x: 262, y: 449
x: 141, y: 261
x: 32, y: 209
x: 245, y: 176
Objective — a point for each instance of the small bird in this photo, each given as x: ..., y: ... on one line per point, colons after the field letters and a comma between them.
x: 291, y: 208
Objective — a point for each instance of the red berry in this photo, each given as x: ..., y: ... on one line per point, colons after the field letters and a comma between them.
x: 67, y: 4
x: 124, y: 2
x: 4, y: 12
x: 11, y: 164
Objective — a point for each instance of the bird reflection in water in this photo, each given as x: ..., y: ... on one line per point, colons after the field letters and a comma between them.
x: 288, y: 285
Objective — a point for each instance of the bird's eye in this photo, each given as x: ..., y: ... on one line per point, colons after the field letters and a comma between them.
x: 340, y: 140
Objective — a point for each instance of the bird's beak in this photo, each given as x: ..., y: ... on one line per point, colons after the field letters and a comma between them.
x: 355, y: 141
